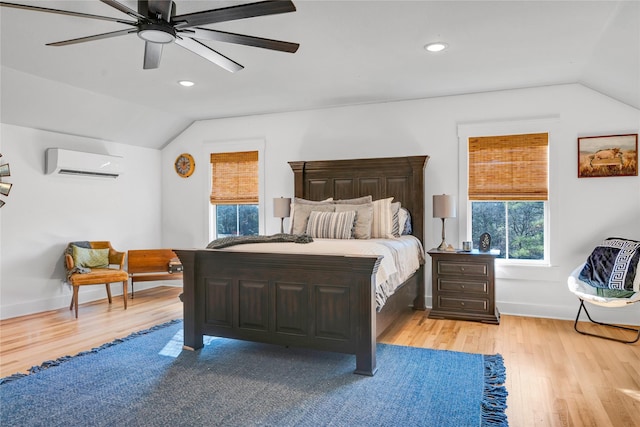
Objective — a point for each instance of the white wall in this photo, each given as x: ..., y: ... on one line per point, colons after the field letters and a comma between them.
x: 45, y: 212
x: 584, y: 211
x: 150, y: 206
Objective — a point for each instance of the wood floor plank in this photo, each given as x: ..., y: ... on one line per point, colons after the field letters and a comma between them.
x: 555, y: 376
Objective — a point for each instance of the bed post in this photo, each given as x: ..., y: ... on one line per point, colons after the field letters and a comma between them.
x: 418, y: 163
x: 298, y: 178
x: 366, y: 363
x: 192, y: 326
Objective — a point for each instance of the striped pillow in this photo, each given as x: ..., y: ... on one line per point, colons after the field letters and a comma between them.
x: 382, y: 224
x: 395, y: 217
x: 331, y: 225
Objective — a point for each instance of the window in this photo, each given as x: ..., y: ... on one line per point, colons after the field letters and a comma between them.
x: 234, y: 193
x: 508, y: 193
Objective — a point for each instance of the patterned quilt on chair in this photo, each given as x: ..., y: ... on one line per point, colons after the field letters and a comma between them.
x: 612, y: 265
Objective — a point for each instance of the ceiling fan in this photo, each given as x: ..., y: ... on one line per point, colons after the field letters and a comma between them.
x: 157, y: 24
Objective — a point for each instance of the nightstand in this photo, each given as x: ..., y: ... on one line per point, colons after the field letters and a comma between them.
x: 463, y: 286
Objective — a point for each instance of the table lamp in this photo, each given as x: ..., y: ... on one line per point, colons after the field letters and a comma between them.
x: 444, y: 206
x: 281, y: 209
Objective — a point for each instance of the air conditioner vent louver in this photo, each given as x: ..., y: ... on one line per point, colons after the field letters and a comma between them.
x: 67, y: 162
x: 73, y: 172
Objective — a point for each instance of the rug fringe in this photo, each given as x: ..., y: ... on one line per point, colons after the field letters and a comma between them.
x: 51, y: 363
x: 494, y: 399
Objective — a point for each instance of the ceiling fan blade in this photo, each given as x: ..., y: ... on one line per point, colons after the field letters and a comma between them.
x: 233, y: 12
x: 152, y: 55
x: 223, y: 36
x: 164, y: 8
x: 124, y: 9
x: 66, y: 12
x: 95, y: 37
x: 209, y: 54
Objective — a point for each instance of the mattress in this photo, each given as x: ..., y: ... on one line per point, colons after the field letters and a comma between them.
x: 401, y: 257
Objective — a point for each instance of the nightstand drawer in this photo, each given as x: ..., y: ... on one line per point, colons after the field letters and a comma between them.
x: 462, y: 304
x: 462, y: 286
x: 462, y: 268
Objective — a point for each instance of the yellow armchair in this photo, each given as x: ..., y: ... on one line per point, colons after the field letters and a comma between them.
x: 79, y: 275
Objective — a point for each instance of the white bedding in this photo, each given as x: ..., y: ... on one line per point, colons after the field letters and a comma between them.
x: 401, y: 257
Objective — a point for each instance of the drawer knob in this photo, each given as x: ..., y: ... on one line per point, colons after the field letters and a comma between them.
x: 461, y: 286
x: 462, y: 304
x: 461, y: 268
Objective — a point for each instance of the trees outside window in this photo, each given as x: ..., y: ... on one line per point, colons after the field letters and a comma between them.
x: 237, y: 220
x: 516, y: 228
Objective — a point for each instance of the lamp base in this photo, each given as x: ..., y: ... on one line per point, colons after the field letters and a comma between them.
x: 443, y: 246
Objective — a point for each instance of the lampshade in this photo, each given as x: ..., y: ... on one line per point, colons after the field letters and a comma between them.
x: 444, y: 206
x: 281, y: 207
x: 4, y: 170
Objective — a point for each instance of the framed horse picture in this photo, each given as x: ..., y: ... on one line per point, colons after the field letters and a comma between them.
x: 604, y: 156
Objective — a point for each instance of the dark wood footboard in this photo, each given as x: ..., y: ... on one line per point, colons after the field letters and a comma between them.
x: 315, y: 301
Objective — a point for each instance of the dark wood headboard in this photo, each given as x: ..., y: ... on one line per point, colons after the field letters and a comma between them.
x: 400, y: 177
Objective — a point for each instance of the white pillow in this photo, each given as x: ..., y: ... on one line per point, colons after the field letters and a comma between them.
x: 382, y: 224
x: 331, y: 225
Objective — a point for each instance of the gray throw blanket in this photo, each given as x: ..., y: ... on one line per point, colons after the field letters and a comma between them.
x: 224, y: 242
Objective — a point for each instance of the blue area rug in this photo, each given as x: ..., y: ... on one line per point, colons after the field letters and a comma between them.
x: 147, y: 380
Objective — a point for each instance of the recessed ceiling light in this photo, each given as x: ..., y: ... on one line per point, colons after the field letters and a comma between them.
x: 186, y: 83
x: 436, y: 47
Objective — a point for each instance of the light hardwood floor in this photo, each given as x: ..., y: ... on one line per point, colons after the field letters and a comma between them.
x: 555, y: 376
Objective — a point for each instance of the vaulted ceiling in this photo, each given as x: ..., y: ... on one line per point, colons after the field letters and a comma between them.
x: 351, y: 52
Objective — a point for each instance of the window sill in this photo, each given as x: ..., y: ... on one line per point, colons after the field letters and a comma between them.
x: 527, y: 272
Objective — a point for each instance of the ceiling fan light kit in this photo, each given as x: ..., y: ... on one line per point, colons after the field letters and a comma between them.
x: 157, y: 33
x: 157, y: 24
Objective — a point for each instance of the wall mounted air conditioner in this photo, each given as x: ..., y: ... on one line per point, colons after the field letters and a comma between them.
x: 67, y: 162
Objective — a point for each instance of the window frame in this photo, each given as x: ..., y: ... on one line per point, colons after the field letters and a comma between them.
x: 227, y: 147
x: 465, y: 131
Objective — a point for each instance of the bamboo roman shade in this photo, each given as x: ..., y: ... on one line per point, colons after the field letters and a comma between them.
x: 509, y: 167
x: 234, y: 178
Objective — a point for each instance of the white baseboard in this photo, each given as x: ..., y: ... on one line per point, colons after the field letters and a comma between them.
x: 86, y: 294
x: 629, y: 315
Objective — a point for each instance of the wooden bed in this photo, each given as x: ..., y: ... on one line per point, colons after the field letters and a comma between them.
x: 324, y: 302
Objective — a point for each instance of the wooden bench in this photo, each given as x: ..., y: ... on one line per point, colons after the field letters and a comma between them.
x: 147, y: 265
